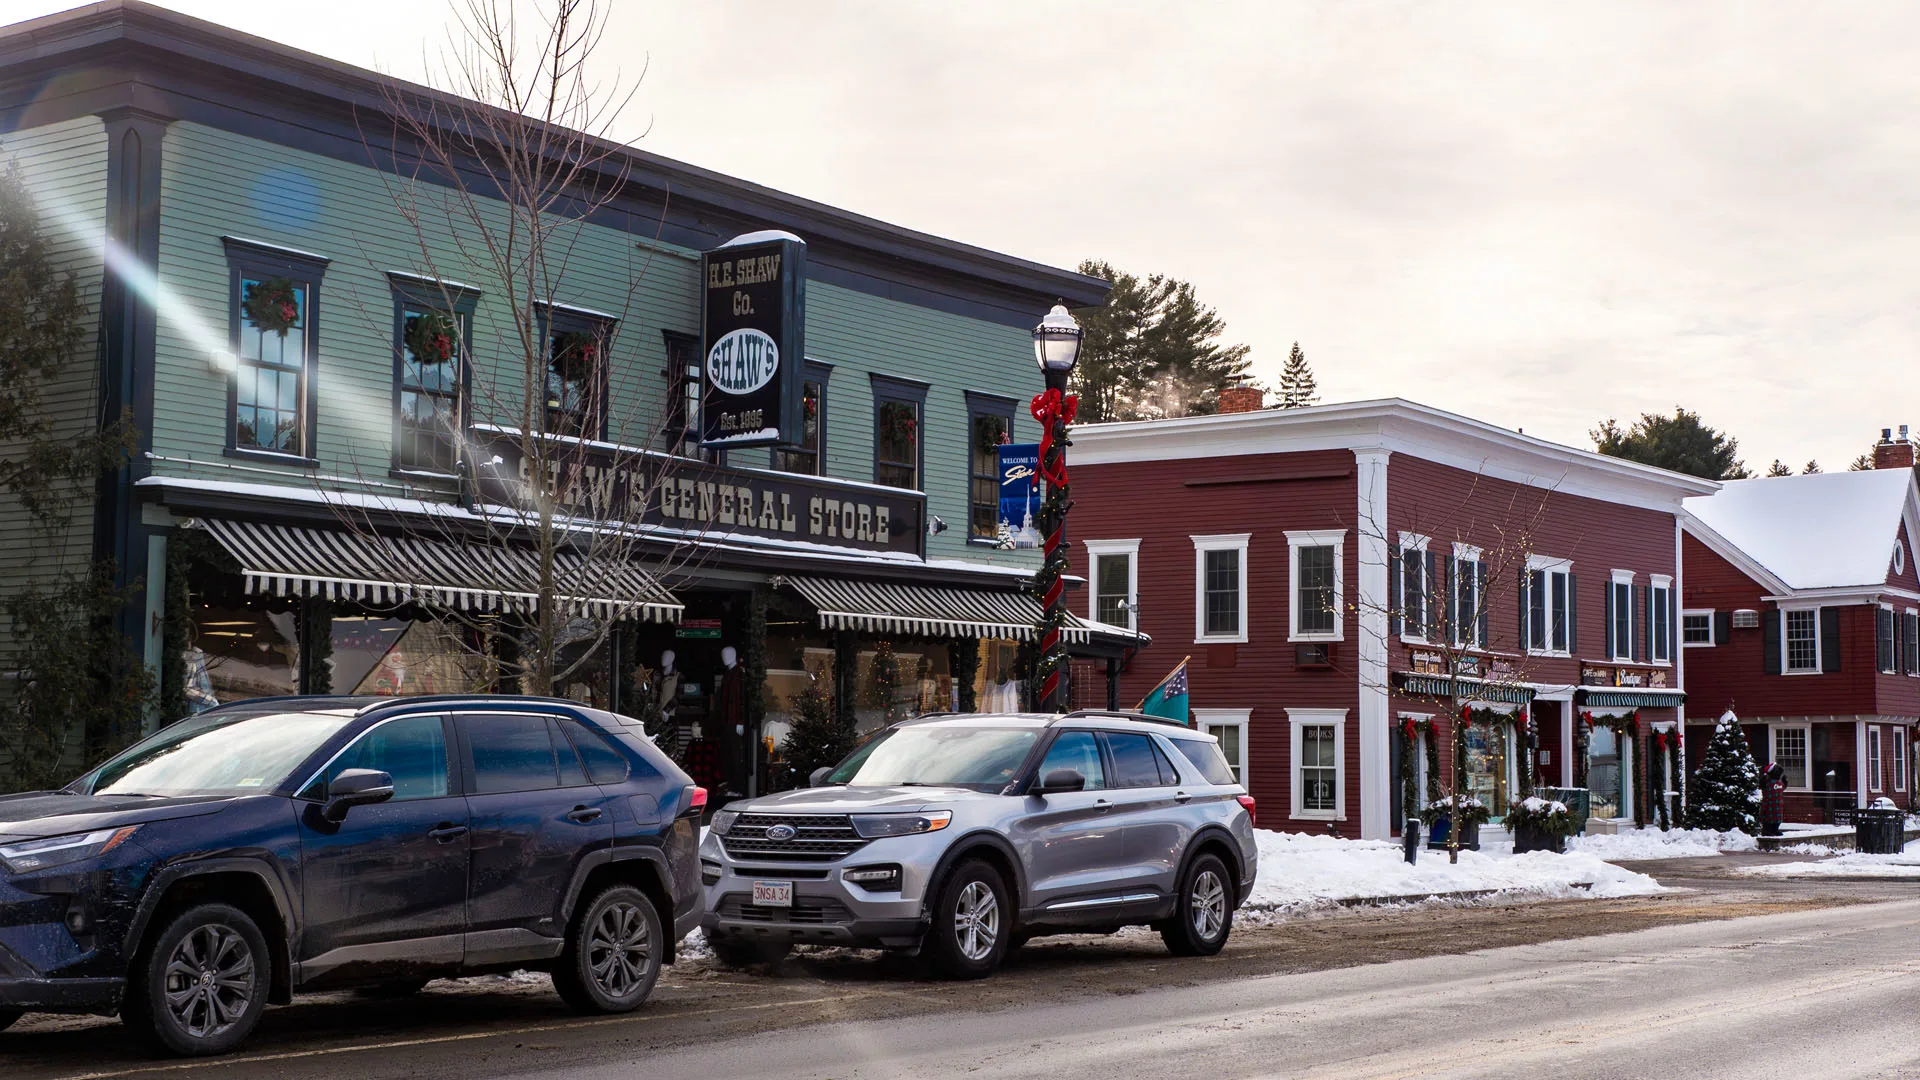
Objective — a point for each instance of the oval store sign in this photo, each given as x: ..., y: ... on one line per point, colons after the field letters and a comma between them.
x: 742, y: 361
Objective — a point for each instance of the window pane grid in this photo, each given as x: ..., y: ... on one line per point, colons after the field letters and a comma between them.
x: 1803, y: 640
x: 1110, y: 578
x: 896, y: 457
x: 804, y: 458
x: 1316, y: 590
x: 1466, y: 608
x: 987, y: 433
x: 1317, y: 767
x: 1223, y: 592
x: 268, y: 387
x: 1413, y: 592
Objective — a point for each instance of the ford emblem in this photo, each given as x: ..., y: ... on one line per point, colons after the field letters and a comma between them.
x: 782, y: 832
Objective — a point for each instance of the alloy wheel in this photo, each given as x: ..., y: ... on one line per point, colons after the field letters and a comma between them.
x: 618, y: 949
x: 209, y: 981
x: 1208, y: 903
x: 976, y: 920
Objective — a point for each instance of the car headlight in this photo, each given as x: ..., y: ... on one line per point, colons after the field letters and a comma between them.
x: 875, y: 826
x: 722, y: 821
x: 54, y: 850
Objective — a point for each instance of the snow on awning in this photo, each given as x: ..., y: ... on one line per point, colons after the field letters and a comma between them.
x: 939, y: 611
x: 341, y: 564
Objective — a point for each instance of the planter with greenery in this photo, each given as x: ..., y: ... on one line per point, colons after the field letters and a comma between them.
x: 1540, y: 824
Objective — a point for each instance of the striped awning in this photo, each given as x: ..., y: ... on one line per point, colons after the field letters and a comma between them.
x: 343, y: 564
x: 938, y: 611
x: 1474, y: 689
x: 1634, y: 698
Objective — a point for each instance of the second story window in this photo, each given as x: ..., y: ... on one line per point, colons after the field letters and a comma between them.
x: 1910, y: 641
x: 1885, y: 652
x: 275, y: 344
x: 1660, y: 620
x: 1314, y: 568
x: 432, y: 327
x: 1220, y: 587
x: 1547, y: 604
x: 680, y: 426
x: 1416, y: 611
x: 1114, y: 569
x: 804, y: 456
x: 898, y: 408
x: 1696, y: 627
x: 1620, y: 618
x: 576, y: 375
x: 989, y: 424
x: 1469, y: 589
x: 1802, y: 640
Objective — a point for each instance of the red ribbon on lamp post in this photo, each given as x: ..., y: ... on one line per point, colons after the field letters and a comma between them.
x: 1056, y: 348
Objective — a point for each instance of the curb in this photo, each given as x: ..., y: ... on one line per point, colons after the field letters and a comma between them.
x: 1408, y: 898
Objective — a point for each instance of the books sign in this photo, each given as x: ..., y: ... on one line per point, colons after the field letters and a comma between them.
x: 753, y: 343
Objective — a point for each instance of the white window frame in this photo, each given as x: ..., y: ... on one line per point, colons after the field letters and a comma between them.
x: 1892, y: 640
x: 1468, y: 636
x: 1306, y: 538
x: 1876, y: 759
x: 1900, y: 737
x: 1785, y: 651
x: 1548, y: 566
x: 1410, y: 633
x: 1298, y: 719
x: 1622, y: 651
x: 1202, y: 545
x: 1228, y: 718
x: 1660, y: 585
x: 1684, y: 613
x: 1100, y: 549
x: 1806, y: 751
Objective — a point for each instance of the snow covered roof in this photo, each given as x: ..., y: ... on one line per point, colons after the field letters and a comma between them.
x: 1828, y: 530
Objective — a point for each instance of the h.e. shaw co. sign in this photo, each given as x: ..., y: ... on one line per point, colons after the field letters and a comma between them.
x: 753, y: 322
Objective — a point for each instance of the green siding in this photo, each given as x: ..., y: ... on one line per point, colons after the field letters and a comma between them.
x: 218, y: 183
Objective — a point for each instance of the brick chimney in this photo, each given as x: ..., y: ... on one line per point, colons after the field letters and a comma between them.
x: 1235, y: 399
x: 1888, y: 453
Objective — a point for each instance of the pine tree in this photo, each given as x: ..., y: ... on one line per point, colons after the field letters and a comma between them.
x: 1297, y: 388
x: 817, y: 738
x: 1779, y: 468
x: 883, y: 684
x: 1151, y: 350
x: 1812, y: 468
x: 1863, y: 463
x: 1725, y: 793
x: 1681, y: 442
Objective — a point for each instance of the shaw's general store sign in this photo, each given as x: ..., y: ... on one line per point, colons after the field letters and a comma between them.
x: 753, y: 322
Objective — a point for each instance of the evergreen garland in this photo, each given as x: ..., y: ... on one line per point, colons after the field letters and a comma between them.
x: 1409, y: 781
x: 963, y: 657
x: 1726, y: 788
x: 272, y: 305
x: 1433, y: 765
x: 1658, y: 764
x: 753, y: 661
x: 316, y: 644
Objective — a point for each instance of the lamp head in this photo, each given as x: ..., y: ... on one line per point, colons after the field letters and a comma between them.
x: 1056, y: 343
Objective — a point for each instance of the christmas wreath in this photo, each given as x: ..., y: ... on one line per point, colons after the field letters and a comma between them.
x: 989, y: 430
x: 575, y: 355
x: 899, y: 422
x: 431, y: 337
x: 272, y: 305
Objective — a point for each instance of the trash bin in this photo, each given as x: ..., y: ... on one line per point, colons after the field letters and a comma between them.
x: 1878, y: 832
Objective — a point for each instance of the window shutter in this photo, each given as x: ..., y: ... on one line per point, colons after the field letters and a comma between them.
x: 1606, y: 616
x: 1480, y: 598
x: 1897, y: 662
x: 1393, y: 593
x: 1436, y: 594
x: 1829, y: 639
x: 1770, y: 642
x: 1525, y: 577
x: 1722, y: 627
x: 1573, y: 613
x: 1643, y: 648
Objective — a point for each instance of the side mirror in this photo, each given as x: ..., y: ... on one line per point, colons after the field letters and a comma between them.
x: 819, y: 776
x: 356, y: 787
x: 1061, y: 780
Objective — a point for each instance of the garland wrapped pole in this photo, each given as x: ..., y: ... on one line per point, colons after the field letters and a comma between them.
x: 1056, y: 347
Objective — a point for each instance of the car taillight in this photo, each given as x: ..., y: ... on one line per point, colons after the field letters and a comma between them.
x: 1247, y: 801
x: 695, y: 802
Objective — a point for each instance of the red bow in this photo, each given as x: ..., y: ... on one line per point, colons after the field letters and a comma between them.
x: 1412, y: 729
x: 1049, y: 407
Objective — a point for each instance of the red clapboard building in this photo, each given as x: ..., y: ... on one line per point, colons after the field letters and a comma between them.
x: 1802, y: 615
x: 1335, y: 573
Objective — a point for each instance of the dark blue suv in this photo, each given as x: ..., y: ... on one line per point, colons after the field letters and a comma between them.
x: 288, y: 844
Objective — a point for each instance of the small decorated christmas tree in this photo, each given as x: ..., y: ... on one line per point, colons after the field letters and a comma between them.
x: 1725, y: 794
x: 883, y: 684
x: 816, y: 738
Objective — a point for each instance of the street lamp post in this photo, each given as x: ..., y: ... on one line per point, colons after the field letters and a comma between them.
x: 1056, y: 347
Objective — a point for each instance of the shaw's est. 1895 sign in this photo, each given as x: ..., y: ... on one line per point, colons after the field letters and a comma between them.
x: 755, y: 312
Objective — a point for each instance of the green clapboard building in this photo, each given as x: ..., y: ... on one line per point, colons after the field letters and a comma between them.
x: 342, y: 400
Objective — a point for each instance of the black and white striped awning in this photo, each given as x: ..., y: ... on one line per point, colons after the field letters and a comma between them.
x: 938, y: 611
x: 343, y: 564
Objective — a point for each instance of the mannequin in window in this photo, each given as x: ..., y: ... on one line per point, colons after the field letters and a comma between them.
x: 928, y: 697
x: 729, y: 722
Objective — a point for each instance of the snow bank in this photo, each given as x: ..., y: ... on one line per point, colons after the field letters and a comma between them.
x: 1906, y: 864
x: 1301, y: 870
x: 1654, y: 844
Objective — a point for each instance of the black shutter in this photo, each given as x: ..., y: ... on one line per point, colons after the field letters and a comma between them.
x: 1829, y: 639
x: 1643, y: 648
x: 1606, y: 615
x: 1770, y: 642
x: 1573, y: 613
x: 1480, y: 598
x: 1722, y: 627
x: 1436, y: 595
x: 1393, y: 593
x: 1899, y: 658
x: 1525, y: 578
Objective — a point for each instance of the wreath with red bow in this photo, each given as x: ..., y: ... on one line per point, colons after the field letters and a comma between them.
x: 431, y: 337
x: 575, y: 355
x: 272, y: 305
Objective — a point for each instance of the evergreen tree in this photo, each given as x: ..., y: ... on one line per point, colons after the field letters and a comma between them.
x: 883, y: 684
x: 1297, y: 388
x: 1778, y: 468
x: 1863, y: 463
x: 1679, y: 442
x: 1151, y: 350
x: 817, y: 738
x: 1812, y: 468
x: 1725, y: 793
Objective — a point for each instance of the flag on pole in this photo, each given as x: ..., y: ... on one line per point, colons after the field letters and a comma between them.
x: 1169, y: 699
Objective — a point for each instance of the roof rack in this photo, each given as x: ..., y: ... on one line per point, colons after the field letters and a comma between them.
x: 1125, y: 714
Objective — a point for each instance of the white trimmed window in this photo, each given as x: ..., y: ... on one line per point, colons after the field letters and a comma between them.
x: 1800, y: 641
x: 1789, y: 749
x: 1900, y: 759
x: 1115, y: 573
x: 1549, y: 594
x: 1317, y: 744
x: 1874, y: 777
x: 1469, y: 584
x: 1696, y: 628
x: 1620, y: 610
x: 1220, y: 588
x: 1416, y: 592
x: 1229, y: 726
x: 1315, y: 569
x: 1660, y: 619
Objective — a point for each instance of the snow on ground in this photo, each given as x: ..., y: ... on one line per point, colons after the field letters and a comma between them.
x: 1300, y: 870
x: 1654, y: 844
x: 1852, y: 864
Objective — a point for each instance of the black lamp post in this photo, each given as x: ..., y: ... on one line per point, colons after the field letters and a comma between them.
x: 1056, y: 347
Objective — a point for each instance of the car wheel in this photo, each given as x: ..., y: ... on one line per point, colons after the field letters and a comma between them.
x: 201, y: 985
x: 613, y: 953
x: 741, y: 952
x: 9, y: 1016
x: 972, y: 923
x: 1204, y: 916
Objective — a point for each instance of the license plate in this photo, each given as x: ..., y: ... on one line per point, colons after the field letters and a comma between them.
x: 773, y: 894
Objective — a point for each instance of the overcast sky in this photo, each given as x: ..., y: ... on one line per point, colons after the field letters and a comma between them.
x: 1541, y: 215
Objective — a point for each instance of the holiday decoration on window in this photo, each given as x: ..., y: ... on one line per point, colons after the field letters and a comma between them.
x: 990, y: 431
x: 431, y: 338
x: 272, y: 305
x: 575, y: 355
x: 898, y: 422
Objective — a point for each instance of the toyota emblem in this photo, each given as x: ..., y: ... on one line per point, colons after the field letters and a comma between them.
x: 782, y: 832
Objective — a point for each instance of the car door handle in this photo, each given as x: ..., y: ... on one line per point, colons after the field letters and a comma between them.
x: 583, y: 814
x: 1102, y: 805
x: 1181, y: 796
x: 446, y: 831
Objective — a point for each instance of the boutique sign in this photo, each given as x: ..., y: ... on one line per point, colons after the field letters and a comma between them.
x: 754, y: 315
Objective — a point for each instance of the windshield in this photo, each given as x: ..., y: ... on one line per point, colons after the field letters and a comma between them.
x: 938, y: 756
x: 218, y: 754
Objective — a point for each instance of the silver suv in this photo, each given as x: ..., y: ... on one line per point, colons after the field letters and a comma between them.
x: 963, y: 836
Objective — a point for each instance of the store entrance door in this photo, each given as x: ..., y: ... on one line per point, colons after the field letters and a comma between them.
x: 1603, y: 772
x: 1487, y: 755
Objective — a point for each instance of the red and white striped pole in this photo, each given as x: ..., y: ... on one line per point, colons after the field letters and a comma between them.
x: 1056, y: 348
